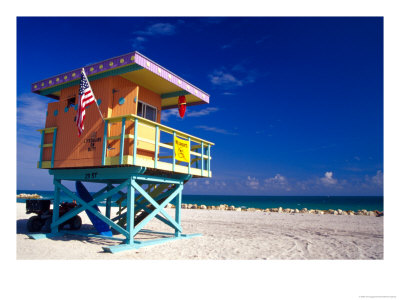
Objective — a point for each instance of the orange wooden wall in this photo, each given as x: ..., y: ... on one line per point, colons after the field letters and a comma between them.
x: 74, y: 151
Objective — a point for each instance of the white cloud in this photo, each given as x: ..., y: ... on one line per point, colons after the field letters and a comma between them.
x: 202, y: 112
x: 166, y: 114
x: 376, y: 180
x: 222, y: 78
x: 158, y: 29
x: 31, y: 111
x: 277, y: 182
x: 234, y: 76
x: 328, y: 179
x: 217, y: 130
x: 278, y: 179
x: 221, y: 184
x: 138, y: 42
x: 192, y: 183
x: 252, y: 183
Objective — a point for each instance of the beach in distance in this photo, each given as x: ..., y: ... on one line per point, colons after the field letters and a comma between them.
x: 346, y: 203
x: 226, y: 234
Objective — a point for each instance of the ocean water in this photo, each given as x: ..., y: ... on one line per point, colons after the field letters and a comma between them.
x: 310, y: 202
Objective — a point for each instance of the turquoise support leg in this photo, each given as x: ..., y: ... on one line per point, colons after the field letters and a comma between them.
x: 130, y: 214
x: 178, y: 212
x: 122, y: 142
x: 41, y: 150
x: 56, y: 206
x: 131, y: 178
x: 108, y: 202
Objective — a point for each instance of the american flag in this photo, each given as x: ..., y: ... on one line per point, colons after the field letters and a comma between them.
x: 86, y: 97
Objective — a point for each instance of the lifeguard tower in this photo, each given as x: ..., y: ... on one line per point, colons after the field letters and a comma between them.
x: 130, y: 152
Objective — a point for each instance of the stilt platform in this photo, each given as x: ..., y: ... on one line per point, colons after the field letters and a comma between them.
x: 142, y: 198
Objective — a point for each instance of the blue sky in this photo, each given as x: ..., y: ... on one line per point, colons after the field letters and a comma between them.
x: 296, y: 104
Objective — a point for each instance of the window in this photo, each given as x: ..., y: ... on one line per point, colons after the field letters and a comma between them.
x: 71, y: 101
x: 147, y: 111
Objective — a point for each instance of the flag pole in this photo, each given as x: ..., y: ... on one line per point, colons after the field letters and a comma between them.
x: 95, y: 100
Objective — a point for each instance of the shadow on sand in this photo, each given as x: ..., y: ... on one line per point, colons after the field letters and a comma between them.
x: 143, y: 235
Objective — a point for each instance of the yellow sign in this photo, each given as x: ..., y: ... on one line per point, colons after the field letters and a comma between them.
x: 182, y: 150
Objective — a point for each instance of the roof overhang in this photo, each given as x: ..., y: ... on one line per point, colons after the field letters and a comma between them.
x: 134, y: 67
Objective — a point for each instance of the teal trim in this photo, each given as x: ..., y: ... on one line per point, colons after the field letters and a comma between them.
x: 88, y: 206
x: 135, y: 100
x: 209, y: 160
x: 140, y: 244
x: 174, y: 94
x: 55, y: 112
x: 98, y: 102
x: 173, y: 153
x: 130, y: 212
x: 102, y: 191
x: 121, y: 101
x: 56, y: 206
x: 189, y: 156
x: 54, y: 147
x: 135, y: 141
x: 66, y: 109
x: 114, y: 72
x: 169, y: 221
x: 144, y: 179
x: 107, y: 174
x: 41, y: 150
x: 122, y: 142
x: 130, y: 178
x: 197, y: 161
x: 76, y: 107
x: 202, y: 158
x: 59, y: 87
x: 158, y: 208
x: 109, y: 187
x: 156, y: 147
x: 178, y: 212
x: 103, y: 157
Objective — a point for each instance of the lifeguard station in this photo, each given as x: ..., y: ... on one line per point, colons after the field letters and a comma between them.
x: 130, y: 152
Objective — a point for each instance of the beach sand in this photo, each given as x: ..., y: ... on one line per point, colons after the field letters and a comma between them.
x: 241, y: 235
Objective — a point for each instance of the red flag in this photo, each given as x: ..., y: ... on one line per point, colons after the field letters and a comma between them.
x: 182, y: 105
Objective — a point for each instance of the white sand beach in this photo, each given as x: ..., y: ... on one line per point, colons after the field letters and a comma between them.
x: 233, y: 235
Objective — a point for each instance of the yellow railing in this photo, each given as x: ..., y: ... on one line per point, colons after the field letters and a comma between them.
x: 199, y: 151
x: 42, y: 145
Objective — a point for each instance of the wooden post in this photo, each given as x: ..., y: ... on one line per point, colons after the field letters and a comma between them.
x: 178, y: 208
x: 56, y: 206
x: 130, y: 213
x: 103, y: 158
x: 173, y: 153
x: 54, y: 147
x: 122, y: 143
x: 202, y: 158
x: 189, y: 156
x: 108, y: 202
x: 156, y: 147
x: 41, y: 150
x: 209, y: 159
x: 135, y: 136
